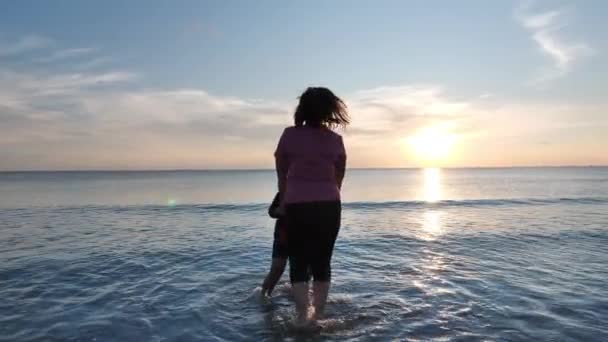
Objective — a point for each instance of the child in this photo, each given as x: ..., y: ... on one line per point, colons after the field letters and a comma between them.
x: 280, y: 249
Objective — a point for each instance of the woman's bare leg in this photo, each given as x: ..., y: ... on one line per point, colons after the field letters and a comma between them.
x: 320, y: 289
x: 301, y: 297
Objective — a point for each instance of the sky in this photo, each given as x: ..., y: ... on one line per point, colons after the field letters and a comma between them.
x: 211, y: 84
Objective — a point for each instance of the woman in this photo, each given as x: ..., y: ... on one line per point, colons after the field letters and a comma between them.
x: 310, y: 163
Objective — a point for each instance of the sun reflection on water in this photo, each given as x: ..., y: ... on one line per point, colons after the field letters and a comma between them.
x: 432, y: 226
x: 432, y: 184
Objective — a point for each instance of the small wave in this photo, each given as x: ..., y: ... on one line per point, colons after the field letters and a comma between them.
x: 475, y: 203
x: 363, y: 205
x: 389, y: 204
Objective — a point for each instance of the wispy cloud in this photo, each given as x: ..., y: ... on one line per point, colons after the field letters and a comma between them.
x: 27, y: 84
x: 65, y: 54
x: 400, y: 110
x: 547, y: 30
x: 137, y: 129
x: 24, y: 44
x: 96, y: 62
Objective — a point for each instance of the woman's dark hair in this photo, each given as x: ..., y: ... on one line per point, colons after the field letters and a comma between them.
x: 320, y: 107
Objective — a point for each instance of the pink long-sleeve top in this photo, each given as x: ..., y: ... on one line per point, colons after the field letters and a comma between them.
x: 311, y: 161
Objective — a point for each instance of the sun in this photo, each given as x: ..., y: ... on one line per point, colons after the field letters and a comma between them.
x: 432, y: 144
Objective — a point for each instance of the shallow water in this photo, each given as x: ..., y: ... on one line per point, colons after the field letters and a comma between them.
x: 442, y: 256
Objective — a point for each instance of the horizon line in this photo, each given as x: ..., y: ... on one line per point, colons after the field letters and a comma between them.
x: 272, y: 169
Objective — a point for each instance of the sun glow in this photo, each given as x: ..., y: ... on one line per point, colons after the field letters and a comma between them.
x: 433, y: 144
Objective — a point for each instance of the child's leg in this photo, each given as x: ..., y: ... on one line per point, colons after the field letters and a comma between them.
x: 276, y: 271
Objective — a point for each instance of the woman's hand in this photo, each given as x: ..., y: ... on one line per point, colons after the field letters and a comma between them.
x: 279, y: 211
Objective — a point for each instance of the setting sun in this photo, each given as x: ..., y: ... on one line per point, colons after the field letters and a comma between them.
x: 432, y: 144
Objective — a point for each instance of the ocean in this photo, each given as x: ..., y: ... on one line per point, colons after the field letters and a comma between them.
x: 505, y: 254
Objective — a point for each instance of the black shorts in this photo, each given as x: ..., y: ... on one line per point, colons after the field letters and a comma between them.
x: 279, y: 246
x: 312, y: 230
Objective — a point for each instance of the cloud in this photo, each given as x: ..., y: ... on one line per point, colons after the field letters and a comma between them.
x: 546, y: 30
x: 401, y: 110
x: 24, y: 44
x: 93, y: 63
x: 44, y: 53
x: 36, y: 85
x: 104, y: 118
x: 62, y: 121
x: 94, y: 120
x: 60, y: 55
x: 100, y: 120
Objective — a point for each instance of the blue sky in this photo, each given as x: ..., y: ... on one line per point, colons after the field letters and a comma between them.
x: 209, y: 84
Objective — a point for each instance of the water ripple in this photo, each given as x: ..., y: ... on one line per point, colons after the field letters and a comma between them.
x: 507, y: 271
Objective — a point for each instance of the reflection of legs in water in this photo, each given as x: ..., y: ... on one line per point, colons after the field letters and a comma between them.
x: 275, y: 273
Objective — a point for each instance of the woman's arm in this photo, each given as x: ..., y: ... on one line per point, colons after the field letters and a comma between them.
x: 340, y: 171
x: 340, y: 165
x: 281, y: 166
